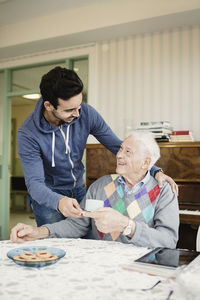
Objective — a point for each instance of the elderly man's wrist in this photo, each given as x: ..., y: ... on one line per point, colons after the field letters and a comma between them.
x: 43, y: 232
x: 129, y: 228
x: 133, y: 228
x: 124, y: 223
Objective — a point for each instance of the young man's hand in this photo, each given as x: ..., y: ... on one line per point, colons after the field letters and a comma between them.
x: 161, y: 177
x: 69, y: 207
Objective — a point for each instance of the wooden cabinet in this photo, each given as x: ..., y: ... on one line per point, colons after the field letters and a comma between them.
x: 181, y: 161
x: 99, y: 162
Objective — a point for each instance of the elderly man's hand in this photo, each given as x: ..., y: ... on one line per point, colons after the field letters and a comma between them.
x: 69, y: 207
x: 22, y: 232
x: 107, y: 219
x: 161, y: 177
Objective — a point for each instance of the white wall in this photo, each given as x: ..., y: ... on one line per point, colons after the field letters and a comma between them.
x: 25, y: 21
x: 150, y: 77
x: 146, y: 77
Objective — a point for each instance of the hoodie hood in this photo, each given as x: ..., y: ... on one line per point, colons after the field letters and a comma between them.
x: 41, y: 123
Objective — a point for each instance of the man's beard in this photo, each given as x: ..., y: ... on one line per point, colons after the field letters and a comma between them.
x: 61, y: 121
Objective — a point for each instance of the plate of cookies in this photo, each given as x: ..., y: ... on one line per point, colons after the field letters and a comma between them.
x: 38, y: 256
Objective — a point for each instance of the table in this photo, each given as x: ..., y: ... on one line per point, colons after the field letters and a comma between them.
x: 90, y: 270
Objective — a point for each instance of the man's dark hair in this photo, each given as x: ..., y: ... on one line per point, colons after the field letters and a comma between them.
x: 60, y: 83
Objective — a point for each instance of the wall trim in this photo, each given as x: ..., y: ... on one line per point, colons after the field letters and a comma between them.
x: 44, y: 56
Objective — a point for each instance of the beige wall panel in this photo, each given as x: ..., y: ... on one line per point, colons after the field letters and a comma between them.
x: 150, y: 77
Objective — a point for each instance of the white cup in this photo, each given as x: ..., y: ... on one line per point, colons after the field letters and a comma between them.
x: 93, y: 204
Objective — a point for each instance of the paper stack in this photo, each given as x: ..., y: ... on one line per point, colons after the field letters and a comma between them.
x: 161, y: 130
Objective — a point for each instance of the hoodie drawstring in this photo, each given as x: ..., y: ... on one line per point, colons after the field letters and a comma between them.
x: 53, y: 150
x: 66, y: 138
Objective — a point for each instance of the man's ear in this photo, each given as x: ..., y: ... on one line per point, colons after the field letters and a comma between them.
x: 48, y: 106
x: 146, y: 163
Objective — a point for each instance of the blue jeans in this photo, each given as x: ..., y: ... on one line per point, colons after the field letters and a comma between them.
x: 46, y: 215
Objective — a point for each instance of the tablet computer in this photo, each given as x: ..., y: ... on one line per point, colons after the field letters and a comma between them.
x: 164, y: 261
x: 168, y: 258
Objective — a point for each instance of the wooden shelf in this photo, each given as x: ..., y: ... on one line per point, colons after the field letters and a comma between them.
x: 190, y: 219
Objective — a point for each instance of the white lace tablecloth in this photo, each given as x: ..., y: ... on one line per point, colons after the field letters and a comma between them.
x: 90, y: 270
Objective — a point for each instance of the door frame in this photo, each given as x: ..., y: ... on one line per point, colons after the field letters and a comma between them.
x: 90, y: 52
x: 5, y: 190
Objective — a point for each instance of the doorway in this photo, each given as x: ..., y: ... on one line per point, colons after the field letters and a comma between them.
x: 25, y: 81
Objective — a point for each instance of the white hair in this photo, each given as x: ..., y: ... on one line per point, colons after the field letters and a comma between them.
x: 148, y: 145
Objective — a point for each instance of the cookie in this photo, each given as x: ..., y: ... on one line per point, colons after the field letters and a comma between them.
x: 40, y: 255
x: 19, y: 258
x: 27, y: 255
x: 43, y: 254
x: 52, y: 257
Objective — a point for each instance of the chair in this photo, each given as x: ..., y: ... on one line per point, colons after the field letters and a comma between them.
x: 18, y: 187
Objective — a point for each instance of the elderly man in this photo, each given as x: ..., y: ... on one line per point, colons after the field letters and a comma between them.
x: 135, y: 210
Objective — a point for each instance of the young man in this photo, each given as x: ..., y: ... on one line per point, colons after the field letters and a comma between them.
x: 135, y: 209
x: 51, y: 143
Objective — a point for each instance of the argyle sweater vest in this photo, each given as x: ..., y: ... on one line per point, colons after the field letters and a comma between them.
x: 139, y: 206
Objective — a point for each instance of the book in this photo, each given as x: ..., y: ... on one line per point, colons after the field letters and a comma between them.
x: 161, y: 130
x: 162, y: 139
x: 164, y: 124
x: 189, y: 137
x: 165, y: 262
x: 181, y: 132
x: 181, y: 138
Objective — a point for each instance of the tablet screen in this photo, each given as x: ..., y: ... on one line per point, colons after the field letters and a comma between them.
x: 172, y: 258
